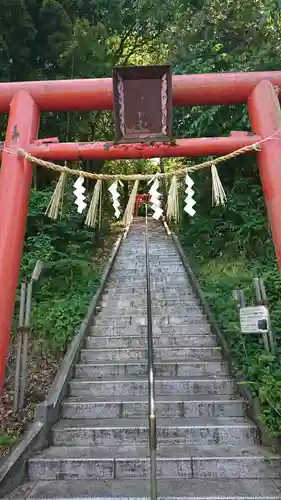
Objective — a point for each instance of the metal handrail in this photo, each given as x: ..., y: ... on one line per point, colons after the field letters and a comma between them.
x: 151, y: 378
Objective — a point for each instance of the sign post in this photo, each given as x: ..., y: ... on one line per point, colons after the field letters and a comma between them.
x: 256, y: 319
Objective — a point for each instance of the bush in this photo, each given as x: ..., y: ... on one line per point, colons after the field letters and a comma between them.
x: 75, y: 257
x: 228, y: 247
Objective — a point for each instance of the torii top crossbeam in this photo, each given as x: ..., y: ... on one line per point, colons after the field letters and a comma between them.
x: 24, y: 102
x: 97, y: 94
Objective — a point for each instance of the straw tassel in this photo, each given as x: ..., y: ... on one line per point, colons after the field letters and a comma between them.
x: 218, y: 193
x: 55, y: 205
x: 94, y: 208
x: 173, y: 200
x: 100, y: 207
x: 128, y: 214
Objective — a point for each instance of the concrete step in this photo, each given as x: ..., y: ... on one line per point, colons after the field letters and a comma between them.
x: 158, y: 245
x: 157, y: 319
x: 139, y: 288
x: 92, y: 462
x: 157, y: 310
x: 184, y: 329
x: 139, y: 283
x: 156, y: 254
x: 204, y: 405
x: 160, y: 354
x: 156, y: 267
x: 156, y: 264
x: 160, y: 240
x: 156, y: 240
x: 179, y: 292
x: 158, y: 272
x: 125, y: 387
x: 130, y: 307
x: 138, y: 251
x: 141, y: 301
x: 166, y: 279
x: 138, y: 278
x: 154, y: 261
x: 140, y: 369
x: 96, y: 342
x: 174, y: 431
x: 136, y: 489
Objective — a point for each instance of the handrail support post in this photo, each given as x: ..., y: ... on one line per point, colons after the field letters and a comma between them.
x: 151, y: 378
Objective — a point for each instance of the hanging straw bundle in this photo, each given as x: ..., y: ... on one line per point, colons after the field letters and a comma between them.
x: 218, y: 193
x: 95, y: 206
x: 173, y: 200
x: 128, y: 214
x: 55, y: 205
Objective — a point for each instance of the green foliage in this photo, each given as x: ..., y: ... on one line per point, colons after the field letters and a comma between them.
x: 8, y: 440
x: 75, y: 259
x: 68, y: 290
x: 229, y: 247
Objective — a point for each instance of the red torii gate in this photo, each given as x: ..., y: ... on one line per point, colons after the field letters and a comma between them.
x: 24, y: 102
x: 141, y: 198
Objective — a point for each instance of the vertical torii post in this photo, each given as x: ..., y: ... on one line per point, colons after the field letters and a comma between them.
x: 265, y: 117
x: 15, y: 185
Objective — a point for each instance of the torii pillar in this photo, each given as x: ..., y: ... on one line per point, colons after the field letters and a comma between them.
x: 15, y: 185
x: 265, y: 117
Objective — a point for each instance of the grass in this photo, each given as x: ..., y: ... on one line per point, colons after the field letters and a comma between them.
x: 261, y: 371
x: 8, y: 440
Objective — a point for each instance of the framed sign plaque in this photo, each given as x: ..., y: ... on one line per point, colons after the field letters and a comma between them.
x: 142, y: 103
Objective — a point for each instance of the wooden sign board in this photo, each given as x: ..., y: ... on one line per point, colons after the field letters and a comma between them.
x: 142, y: 103
x: 254, y: 319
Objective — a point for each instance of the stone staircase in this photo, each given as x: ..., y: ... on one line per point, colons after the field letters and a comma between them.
x: 207, y: 448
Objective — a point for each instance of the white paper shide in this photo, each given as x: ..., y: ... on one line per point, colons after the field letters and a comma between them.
x: 113, y: 189
x: 155, y: 200
x: 189, y: 200
x: 79, y: 191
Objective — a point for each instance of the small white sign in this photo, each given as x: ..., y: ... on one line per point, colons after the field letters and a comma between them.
x: 254, y: 319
